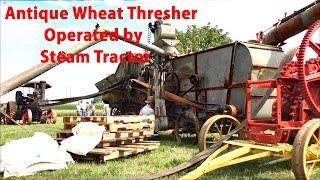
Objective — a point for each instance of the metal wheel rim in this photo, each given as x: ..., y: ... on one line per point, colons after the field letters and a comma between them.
x: 306, y: 156
x: 51, y: 116
x: 216, y: 123
x: 27, y: 117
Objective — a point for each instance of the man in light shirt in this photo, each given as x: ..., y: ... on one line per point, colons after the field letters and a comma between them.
x: 106, y: 110
x: 147, y: 109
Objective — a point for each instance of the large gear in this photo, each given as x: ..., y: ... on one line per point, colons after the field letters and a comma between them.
x: 308, y: 68
x: 292, y: 92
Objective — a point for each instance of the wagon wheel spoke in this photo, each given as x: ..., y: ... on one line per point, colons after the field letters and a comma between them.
x: 315, y: 138
x: 313, y: 161
x: 217, y: 127
x: 311, y: 151
x: 314, y: 47
x: 230, y: 127
x: 221, y: 128
x: 311, y: 168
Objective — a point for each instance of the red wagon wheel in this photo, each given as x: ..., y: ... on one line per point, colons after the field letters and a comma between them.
x: 10, y: 110
x: 51, y: 117
x: 309, y: 73
x: 27, y: 117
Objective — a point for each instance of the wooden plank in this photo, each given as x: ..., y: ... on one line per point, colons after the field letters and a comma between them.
x: 116, y: 152
x: 103, y: 151
x: 131, y: 118
x: 123, y: 141
x: 76, y: 119
x: 70, y: 119
x: 144, y: 143
x: 111, y: 137
x: 130, y: 126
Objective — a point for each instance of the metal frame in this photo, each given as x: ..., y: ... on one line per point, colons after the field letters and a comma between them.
x: 242, y: 151
x: 283, y: 128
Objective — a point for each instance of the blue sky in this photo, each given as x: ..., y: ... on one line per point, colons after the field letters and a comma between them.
x: 22, y: 40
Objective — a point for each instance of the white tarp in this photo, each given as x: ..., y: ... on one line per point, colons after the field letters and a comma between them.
x: 86, y: 135
x: 28, y: 155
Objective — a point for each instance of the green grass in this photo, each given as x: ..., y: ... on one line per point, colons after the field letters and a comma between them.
x: 67, y: 112
x: 168, y: 155
x: 71, y: 109
x: 72, y: 106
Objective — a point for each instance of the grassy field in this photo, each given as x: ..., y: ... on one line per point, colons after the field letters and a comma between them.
x: 71, y: 109
x: 168, y: 155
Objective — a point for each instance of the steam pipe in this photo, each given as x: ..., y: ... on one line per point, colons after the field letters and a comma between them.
x: 293, y: 26
x: 146, y: 46
x: 39, y: 69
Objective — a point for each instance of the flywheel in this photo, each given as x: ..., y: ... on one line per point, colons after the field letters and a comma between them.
x: 309, y: 69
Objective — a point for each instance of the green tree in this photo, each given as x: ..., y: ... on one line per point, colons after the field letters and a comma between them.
x: 201, y: 38
x: 97, y: 99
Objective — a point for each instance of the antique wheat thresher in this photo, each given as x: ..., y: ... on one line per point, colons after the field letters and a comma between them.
x: 292, y: 130
x: 200, y: 85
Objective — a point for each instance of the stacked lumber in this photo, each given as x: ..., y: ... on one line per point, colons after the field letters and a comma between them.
x: 124, y: 136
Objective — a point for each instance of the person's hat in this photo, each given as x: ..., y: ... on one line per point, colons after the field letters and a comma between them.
x: 150, y: 99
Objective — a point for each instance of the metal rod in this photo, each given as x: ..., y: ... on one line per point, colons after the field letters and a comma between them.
x: 146, y: 46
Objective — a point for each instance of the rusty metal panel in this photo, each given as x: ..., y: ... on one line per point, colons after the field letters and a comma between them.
x: 247, y: 61
x: 185, y: 67
x: 214, y: 66
x: 217, y: 97
x: 254, y: 62
x: 266, y: 61
x: 242, y: 64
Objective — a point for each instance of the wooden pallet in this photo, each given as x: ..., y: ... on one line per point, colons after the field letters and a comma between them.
x: 124, y: 136
x: 108, y: 153
x: 112, y: 123
x: 109, y: 119
x: 111, y: 135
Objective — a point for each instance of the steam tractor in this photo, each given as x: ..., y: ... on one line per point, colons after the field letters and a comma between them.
x: 31, y: 107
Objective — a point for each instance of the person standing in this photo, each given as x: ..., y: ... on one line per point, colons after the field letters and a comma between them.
x: 88, y: 111
x: 148, y: 108
x: 79, y: 111
x: 83, y: 108
x: 106, y: 110
x: 92, y: 109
